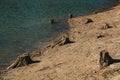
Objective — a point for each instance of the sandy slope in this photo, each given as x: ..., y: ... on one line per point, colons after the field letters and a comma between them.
x: 79, y: 60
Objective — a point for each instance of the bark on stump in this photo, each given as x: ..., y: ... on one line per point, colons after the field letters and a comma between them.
x: 105, y: 59
x: 21, y: 60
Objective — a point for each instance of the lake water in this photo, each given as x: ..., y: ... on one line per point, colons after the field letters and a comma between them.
x: 24, y: 23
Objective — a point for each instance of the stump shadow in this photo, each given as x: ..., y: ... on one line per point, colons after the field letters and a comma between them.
x: 35, y: 61
x: 116, y: 60
x: 111, y: 60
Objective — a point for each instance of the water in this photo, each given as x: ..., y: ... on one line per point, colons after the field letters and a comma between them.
x: 24, y: 23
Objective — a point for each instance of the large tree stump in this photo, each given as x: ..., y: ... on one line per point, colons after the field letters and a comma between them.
x: 105, y: 59
x: 21, y: 60
x: 61, y: 41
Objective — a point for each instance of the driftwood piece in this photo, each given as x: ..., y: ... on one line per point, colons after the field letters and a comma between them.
x: 21, y: 60
x: 105, y: 59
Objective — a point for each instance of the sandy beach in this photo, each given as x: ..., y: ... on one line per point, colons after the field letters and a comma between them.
x: 78, y: 60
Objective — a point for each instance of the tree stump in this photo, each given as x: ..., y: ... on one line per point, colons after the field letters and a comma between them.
x: 88, y: 21
x: 61, y: 41
x: 105, y: 59
x: 70, y: 15
x: 106, y: 26
x: 51, y: 21
x: 21, y: 60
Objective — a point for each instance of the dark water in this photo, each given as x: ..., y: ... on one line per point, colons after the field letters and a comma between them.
x: 24, y: 23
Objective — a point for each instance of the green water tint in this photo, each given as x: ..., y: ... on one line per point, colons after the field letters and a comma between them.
x: 24, y: 23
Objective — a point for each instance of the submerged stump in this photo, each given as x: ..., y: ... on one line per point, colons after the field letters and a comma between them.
x: 21, y: 60
x: 105, y: 59
x: 70, y: 15
x: 51, y: 21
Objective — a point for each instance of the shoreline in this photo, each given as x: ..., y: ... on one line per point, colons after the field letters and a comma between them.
x: 74, y: 29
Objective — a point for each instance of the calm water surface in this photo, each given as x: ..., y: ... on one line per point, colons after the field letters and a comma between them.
x: 24, y: 23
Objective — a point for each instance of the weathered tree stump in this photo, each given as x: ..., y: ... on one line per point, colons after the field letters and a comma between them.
x: 105, y: 59
x: 94, y: 12
x: 70, y: 15
x: 51, y: 21
x: 21, y: 60
x: 61, y: 41
x: 88, y: 21
x: 106, y: 26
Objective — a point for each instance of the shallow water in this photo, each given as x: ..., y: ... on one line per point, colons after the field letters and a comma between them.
x: 24, y: 23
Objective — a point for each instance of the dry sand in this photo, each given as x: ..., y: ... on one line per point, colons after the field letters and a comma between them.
x: 79, y: 60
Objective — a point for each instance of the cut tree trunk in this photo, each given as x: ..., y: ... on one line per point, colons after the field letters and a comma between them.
x: 61, y: 41
x: 105, y: 59
x: 21, y: 60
